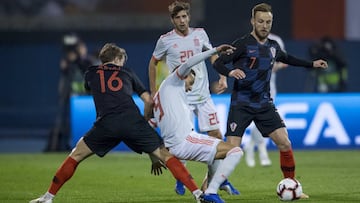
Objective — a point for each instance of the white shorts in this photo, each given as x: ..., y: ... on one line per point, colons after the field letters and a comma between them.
x: 196, y: 147
x: 206, y: 114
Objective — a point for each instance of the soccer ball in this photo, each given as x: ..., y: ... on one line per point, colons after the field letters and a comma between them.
x: 289, y: 189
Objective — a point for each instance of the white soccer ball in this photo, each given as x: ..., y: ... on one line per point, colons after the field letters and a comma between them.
x: 289, y: 189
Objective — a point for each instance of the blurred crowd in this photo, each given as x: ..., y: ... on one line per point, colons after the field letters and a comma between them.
x: 46, y: 7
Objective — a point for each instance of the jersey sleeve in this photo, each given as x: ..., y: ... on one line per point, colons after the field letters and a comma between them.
x: 220, y: 62
x: 160, y: 49
x: 292, y: 60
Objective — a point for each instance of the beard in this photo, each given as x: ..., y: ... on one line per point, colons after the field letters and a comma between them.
x: 261, y: 34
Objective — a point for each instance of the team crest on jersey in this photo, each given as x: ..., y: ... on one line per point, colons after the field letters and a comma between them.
x: 196, y: 42
x: 273, y: 51
x: 233, y: 126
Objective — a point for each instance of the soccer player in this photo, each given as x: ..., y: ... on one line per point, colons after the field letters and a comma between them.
x: 252, y: 64
x: 256, y: 139
x: 176, y: 47
x: 118, y: 120
x: 173, y: 116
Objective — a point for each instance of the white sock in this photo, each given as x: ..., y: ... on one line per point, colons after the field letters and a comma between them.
x: 250, y: 145
x: 262, y: 150
x: 212, y: 169
x: 197, y: 193
x: 225, y: 168
x: 48, y: 195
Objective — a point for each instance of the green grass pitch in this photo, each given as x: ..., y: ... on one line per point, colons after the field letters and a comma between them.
x: 327, y: 176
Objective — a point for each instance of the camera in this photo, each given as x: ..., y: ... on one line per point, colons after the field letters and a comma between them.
x: 70, y: 42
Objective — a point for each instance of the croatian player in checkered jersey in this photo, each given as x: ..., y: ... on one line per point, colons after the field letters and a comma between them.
x: 256, y: 138
x: 176, y: 47
x: 173, y: 116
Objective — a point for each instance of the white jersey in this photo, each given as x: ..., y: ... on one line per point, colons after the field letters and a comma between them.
x: 171, y: 110
x: 176, y: 49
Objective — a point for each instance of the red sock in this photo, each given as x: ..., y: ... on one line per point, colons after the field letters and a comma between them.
x: 64, y: 173
x: 287, y: 164
x: 181, y: 173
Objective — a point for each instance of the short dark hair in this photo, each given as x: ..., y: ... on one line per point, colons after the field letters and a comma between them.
x: 263, y: 7
x: 178, y: 6
x: 110, y: 51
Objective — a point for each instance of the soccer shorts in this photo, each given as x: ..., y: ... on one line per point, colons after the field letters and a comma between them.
x: 128, y: 127
x: 266, y: 119
x: 206, y: 114
x: 196, y: 147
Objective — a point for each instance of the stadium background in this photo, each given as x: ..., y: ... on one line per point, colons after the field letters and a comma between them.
x: 30, y: 47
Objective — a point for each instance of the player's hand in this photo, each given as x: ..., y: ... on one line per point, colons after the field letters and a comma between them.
x: 225, y: 49
x: 221, y: 85
x: 156, y: 168
x: 237, y: 74
x: 320, y: 64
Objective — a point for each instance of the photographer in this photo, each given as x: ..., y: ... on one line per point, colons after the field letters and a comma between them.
x: 73, y: 65
x: 334, y: 78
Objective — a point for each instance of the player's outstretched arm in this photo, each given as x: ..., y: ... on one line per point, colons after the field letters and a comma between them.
x: 185, y: 68
x: 225, y: 49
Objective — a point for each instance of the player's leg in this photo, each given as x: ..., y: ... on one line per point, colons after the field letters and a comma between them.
x: 263, y: 153
x: 250, y: 147
x: 209, y: 122
x: 279, y: 135
x: 65, y: 171
x: 178, y: 170
x: 287, y: 160
x: 260, y: 142
x: 141, y: 137
x: 231, y: 157
x: 97, y: 140
x: 179, y: 186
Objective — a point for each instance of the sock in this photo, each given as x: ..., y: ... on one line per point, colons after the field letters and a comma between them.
x: 263, y: 154
x: 181, y: 173
x: 64, y: 173
x: 197, y: 193
x: 210, y: 174
x: 212, y: 169
x: 225, y: 168
x: 250, y: 145
x: 287, y: 164
x: 47, y: 196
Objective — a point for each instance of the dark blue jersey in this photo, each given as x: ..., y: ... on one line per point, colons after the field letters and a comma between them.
x: 256, y: 60
x: 112, y: 88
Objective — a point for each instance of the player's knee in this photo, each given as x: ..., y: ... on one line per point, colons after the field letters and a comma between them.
x: 235, y: 152
x: 285, y: 145
x: 215, y: 133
